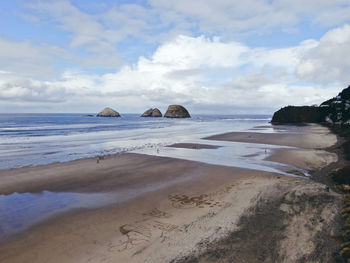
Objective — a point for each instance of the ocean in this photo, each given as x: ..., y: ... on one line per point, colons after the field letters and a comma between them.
x: 36, y: 139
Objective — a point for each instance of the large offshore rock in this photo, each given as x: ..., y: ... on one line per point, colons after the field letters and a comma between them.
x: 108, y: 112
x: 177, y: 111
x: 152, y: 113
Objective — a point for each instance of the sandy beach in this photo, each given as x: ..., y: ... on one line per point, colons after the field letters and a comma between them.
x: 159, y: 209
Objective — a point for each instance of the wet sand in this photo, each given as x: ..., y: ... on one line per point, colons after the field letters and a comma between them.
x: 307, y: 159
x: 193, y: 146
x: 307, y: 137
x: 180, y: 210
x: 109, y: 174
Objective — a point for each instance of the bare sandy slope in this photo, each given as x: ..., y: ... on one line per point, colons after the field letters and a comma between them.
x: 196, y: 212
x: 291, y: 221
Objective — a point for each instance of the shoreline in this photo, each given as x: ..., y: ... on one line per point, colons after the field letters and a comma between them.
x: 200, y: 203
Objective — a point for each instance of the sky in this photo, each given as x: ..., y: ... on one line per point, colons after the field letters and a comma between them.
x: 213, y: 57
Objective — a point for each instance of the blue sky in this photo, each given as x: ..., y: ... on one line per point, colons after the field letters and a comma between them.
x: 211, y: 56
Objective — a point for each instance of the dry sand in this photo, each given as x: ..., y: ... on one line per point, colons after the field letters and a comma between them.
x: 195, y: 213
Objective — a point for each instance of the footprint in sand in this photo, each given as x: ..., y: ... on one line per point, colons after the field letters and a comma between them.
x: 223, y: 191
x: 201, y: 201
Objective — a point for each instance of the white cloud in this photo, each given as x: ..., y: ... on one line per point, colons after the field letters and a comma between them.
x: 254, y: 15
x: 287, y: 57
x: 15, y: 88
x: 228, y: 15
x: 87, y: 33
x: 38, y: 61
x: 161, y: 20
x: 184, y: 53
x: 329, y: 61
x: 83, y: 28
x: 323, y: 12
x: 97, y: 32
x: 26, y: 59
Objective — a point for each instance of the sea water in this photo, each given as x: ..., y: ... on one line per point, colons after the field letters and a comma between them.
x: 34, y: 139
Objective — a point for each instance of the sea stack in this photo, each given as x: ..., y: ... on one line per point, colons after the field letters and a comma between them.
x: 152, y: 113
x: 108, y: 112
x: 177, y: 111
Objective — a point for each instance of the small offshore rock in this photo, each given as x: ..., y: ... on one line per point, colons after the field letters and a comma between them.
x: 177, y: 111
x: 156, y: 113
x: 108, y: 112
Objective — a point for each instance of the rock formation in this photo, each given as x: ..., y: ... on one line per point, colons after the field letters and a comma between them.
x: 338, y: 108
x: 297, y: 114
x: 108, y: 112
x: 177, y: 111
x: 333, y: 111
x: 152, y: 113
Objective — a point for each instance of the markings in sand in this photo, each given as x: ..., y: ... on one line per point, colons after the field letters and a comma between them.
x: 185, y: 201
x: 136, y: 234
x: 133, y: 235
x: 141, y: 232
x: 165, y: 228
